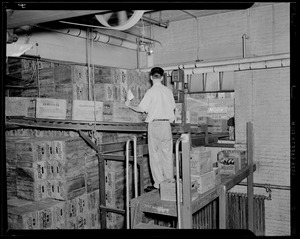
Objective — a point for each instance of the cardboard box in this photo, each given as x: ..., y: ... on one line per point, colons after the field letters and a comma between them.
x: 51, y: 108
x: 87, y: 110
x: 205, y: 181
x: 200, y: 162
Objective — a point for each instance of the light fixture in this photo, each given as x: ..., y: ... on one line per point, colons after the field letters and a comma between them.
x: 146, y: 46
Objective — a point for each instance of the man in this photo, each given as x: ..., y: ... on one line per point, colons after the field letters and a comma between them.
x: 159, y: 105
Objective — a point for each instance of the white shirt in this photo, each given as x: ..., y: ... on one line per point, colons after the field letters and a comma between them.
x: 159, y: 103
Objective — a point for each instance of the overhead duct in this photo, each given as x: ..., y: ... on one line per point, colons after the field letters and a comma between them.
x: 97, y: 37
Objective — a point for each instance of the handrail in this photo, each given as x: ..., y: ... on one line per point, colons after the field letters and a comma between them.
x: 134, y: 139
x: 178, y: 182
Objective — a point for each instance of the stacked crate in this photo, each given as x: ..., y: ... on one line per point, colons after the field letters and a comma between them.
x: 115, y: 191
x: 202, y: 169
x: 11, y: 165
x: 58, y: 179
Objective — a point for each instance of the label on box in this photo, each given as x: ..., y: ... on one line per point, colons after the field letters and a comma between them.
x: 51, y: 108
x: 87, y: 110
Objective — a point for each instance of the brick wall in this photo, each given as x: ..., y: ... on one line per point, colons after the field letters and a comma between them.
x: 262, y: 96
x: 220, y: 35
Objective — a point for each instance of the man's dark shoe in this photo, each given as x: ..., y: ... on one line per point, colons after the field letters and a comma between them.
x: 149, y: 189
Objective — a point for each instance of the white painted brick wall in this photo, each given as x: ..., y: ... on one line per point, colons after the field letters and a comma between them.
x: 221, y: 35
x: 262, y: 96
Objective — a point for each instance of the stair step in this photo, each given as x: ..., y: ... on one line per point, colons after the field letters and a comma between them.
x: 150, y: 226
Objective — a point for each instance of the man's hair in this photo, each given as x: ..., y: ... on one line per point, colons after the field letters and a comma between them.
x: 156, y: 72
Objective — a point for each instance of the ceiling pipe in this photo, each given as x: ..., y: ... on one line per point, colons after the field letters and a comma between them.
x: 96, y: 37
x: 97, y: 27
x: 259, y: 62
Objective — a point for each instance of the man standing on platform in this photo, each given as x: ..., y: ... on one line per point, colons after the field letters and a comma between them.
x: 159, y: 104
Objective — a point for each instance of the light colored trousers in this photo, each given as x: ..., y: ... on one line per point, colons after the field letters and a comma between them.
x: 160, y: 144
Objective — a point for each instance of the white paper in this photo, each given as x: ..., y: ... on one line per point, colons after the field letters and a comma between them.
x: 130, y: 96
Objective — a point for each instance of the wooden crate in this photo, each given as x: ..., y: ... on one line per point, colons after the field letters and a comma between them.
x: 33, y: 149
x: 46, y: 77
x: 80, y: 91
x: 205, y: 181
x: 167, y: 190
x: 92, y: 176
x: 115, y: 221
x: 103, y: 75
x: 51, y: 188
x: 34, y: 191
x: 87, y: 110
x: 93, y: 200
x: 82, y: 204
x: 68, y: 148
x: 238, y: 157
x: 116, y: 179
x: 93, y: 219
x: 81, y: 221
x: 104, y: 92
x: 20, y: 106
x: 201, y: 162
x: 24, y: 217
x: 62, y: 74
x: 69, y: 188
x: 52, y: 169
x: 116, y: 198
x: 220, y: 126
x: 70, y: 209
x: 51, y: 108
x: 79, y: 74
x: 28, y: 171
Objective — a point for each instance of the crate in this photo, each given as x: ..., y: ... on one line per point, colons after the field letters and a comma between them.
x: 115, y: 221
x: 23, y: 217
x: 168, y: 189
x: 220, y: 126
x: 82, y: 204
x: 217, y: 175
x: 205, y: 181
x: 93, y: 219
x: 104, y: 92
x: 81, y: 221
x: 70, y: 209
x: 20, y: 106
x: 70, y: 187
x: 92, y: 176
x: 31, y: 150
x: 93, y: 200
x: 51, y: 108
x: 231, y: 161
x: 79, y: 74
x: 34, y: 191
x: 68, y: 148
x: 118, y: 112
x: 87, y: 110
x: 201, y: 162
x: 103, y: 75
x: 27, y: 171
